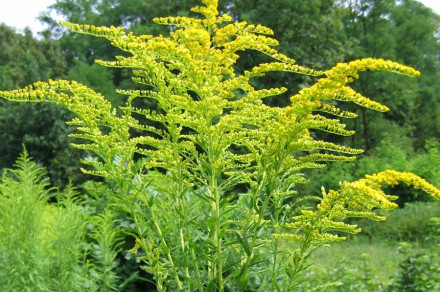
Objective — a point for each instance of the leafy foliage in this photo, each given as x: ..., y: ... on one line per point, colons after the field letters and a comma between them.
x: 43, y: 247
x: 172, y: 169
x: 24, y: 60
x: 418, y: 272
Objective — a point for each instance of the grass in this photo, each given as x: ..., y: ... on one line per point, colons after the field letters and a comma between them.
x: 382, y: 258
x: 359, y: 265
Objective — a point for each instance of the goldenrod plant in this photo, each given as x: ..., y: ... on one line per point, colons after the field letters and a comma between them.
x: 175, y: 170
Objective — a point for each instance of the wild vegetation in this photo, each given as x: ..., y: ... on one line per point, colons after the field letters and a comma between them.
x: 204, y: 164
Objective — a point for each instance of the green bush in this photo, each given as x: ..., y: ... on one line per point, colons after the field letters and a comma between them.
x: 433, y: 237
x: 357, y: 265
x: 417, y: 273
x: 343, y: 275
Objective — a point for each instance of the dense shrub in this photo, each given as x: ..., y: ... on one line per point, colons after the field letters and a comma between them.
x: 418, y: 272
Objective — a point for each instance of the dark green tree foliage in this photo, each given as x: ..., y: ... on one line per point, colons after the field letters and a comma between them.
x: 24, y: 60
x: 97, y: 77
x: 418, y: 44
x: 134, y: 15
x: 405, y: 31
x: 308, y: 30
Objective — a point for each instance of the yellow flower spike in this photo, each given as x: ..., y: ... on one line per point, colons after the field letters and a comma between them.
x: 354, y: 199
x: 209, y: 11
x: 343, y: 70
x: 392, y: 177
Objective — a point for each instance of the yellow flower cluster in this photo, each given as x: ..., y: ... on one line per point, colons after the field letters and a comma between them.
x: 223, y: 35
x: 344, y: 72
x: 260, y: 29
x: 310, y: 145
x: 330, y: 109
x: 262, y: 69
x: 354, y: 199
x: 178, y: 21
x: 99, y: 31
x: 326, y: 157
x: 209, y: 11
x: 370, y: 186
x: 392, y: 177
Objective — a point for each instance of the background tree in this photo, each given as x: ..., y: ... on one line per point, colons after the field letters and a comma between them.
x: 24, y: 60
x: 404, y: 31
x: 417, y: 39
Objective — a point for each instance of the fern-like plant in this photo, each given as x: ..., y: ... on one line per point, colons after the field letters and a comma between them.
x: 43, y: 246
x: 175, y: 169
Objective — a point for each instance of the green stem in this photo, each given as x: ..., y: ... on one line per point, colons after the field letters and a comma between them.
x: 277, y: 228
x: 216, y: 237
x: 305, y: 246
x: 219, y: 245
x: 163, y: 242
x: 275, y: 252
x: 181, y: 192
x: 139, y: 232
x: 159, y: 231
x: 193, y: 256
x: 215, y: 209
x: 255, y: 234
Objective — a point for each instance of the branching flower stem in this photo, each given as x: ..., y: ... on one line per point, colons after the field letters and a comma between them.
x: 159, y: 233
x: 261, y: 212
x: 275, y: 245
x: 164, y: 244
x: 181, y: 191
x: 217, y: 232
x: 193, y: 256
x: 299, y: 257
x: 215, y: 209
